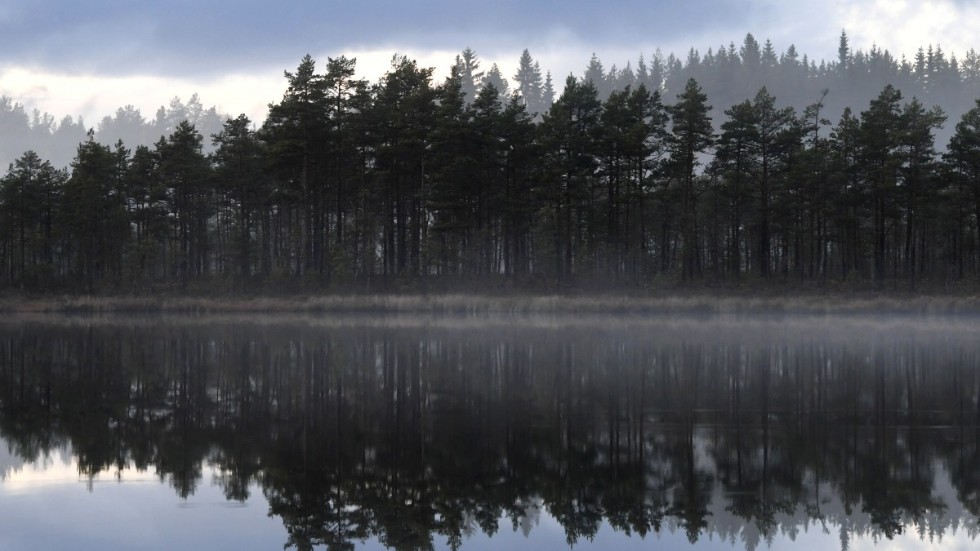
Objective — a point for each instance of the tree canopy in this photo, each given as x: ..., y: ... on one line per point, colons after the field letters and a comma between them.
x: 476, y: 180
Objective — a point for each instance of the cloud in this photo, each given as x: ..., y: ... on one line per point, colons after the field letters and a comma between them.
x: 92, y: 97
x: 96, y: 55
x: 92, y: 56
x: 902, y: 26
x: 184, y: 38
x: 179, y: 37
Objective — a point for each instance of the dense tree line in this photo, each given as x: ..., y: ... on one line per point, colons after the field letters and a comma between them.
x: 57, y: 140
x: 641, y: 181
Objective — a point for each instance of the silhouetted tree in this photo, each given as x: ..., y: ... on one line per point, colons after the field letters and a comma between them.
x: 692, y: 134
x: 239, y: 169
x: 30, y: 200
x: 185, y: 174
x: 95, y: 212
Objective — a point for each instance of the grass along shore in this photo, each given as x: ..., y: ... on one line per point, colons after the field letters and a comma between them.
x: 518, y: 304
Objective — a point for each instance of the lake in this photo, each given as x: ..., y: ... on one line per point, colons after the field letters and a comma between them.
x: 474, y: 433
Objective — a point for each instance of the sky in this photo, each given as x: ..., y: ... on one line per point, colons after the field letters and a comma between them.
x: 87, y: 57
x: 130, y: 509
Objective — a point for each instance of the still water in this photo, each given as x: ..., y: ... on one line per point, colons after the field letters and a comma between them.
x: 501, y: 433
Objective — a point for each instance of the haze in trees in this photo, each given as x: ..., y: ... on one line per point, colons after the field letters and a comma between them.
x: 57, y: 141
x: 406, y: 183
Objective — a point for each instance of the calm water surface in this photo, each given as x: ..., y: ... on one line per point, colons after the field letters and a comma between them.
x: 524, y: 433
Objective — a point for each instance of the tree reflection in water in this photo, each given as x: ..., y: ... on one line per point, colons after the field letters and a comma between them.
x: 410, y: 431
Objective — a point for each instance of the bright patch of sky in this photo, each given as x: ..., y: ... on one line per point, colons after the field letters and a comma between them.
x: 89, y: 57
x: 131, y: 508
x: 902, y: 26
x: 51, y: 506
x: 94, y: 96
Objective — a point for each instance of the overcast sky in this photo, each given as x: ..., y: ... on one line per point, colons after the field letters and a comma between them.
x: 87, y: 57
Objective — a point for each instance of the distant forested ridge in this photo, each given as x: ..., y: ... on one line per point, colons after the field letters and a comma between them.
x: 57, y: 140
x: 736, y: 165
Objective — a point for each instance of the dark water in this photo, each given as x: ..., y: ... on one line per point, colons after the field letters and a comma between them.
x: 419, y: 433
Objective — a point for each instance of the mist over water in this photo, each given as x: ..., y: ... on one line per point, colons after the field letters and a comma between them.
x: 417, y: 432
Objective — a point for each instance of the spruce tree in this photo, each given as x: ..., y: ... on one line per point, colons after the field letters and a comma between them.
x: 529, y: 83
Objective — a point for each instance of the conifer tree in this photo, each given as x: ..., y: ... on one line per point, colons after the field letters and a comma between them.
x: 471, y: 78
x: 30, y: 198
x: 918, y: 153
x: 185, y: 174
x: 776, y: 137
x: 239, y: 172
x: 596, y: 75
x: 547, y: 94
x: 692, y: 134
x: 529, y: 83
x: 496, y: 79
x: 94, y: 211
x: 879, y: 142
x: 146, y: 199
x: 568, y: 139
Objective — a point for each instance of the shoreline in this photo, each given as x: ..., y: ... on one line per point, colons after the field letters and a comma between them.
x: 518, y: 304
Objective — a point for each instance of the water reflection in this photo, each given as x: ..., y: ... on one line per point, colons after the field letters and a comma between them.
x: 410, y: 430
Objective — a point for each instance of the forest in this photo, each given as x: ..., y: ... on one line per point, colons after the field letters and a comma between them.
x: 737, y: 167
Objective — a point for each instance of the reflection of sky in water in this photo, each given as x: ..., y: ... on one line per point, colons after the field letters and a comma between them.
x: 49, y: 505
x: 52, y: 507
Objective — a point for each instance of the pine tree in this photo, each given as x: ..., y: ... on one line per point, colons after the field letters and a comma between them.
x: 30, y: 197
x: 146, y: 198
x: 734, y: 162
x: 342, y: 91
x: 845, y: 187
x: 452, y: 167
x: 95, y: 214
x: 185, y: 174
x: 238, y: 167
x: 486, y: 180
x: 296, y: 132
x: 633, y: 144
x: 403, y: 115
x: 916, y: 147
x: 520, y: 164
x: 776, y: 137
x: 692, y: 134
x: 879, y: 141
x: 568, y: 136
x: 963, y: 158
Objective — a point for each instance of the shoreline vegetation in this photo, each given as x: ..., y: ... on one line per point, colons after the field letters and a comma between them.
x: 504, y: 305
x: 722, y: 173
